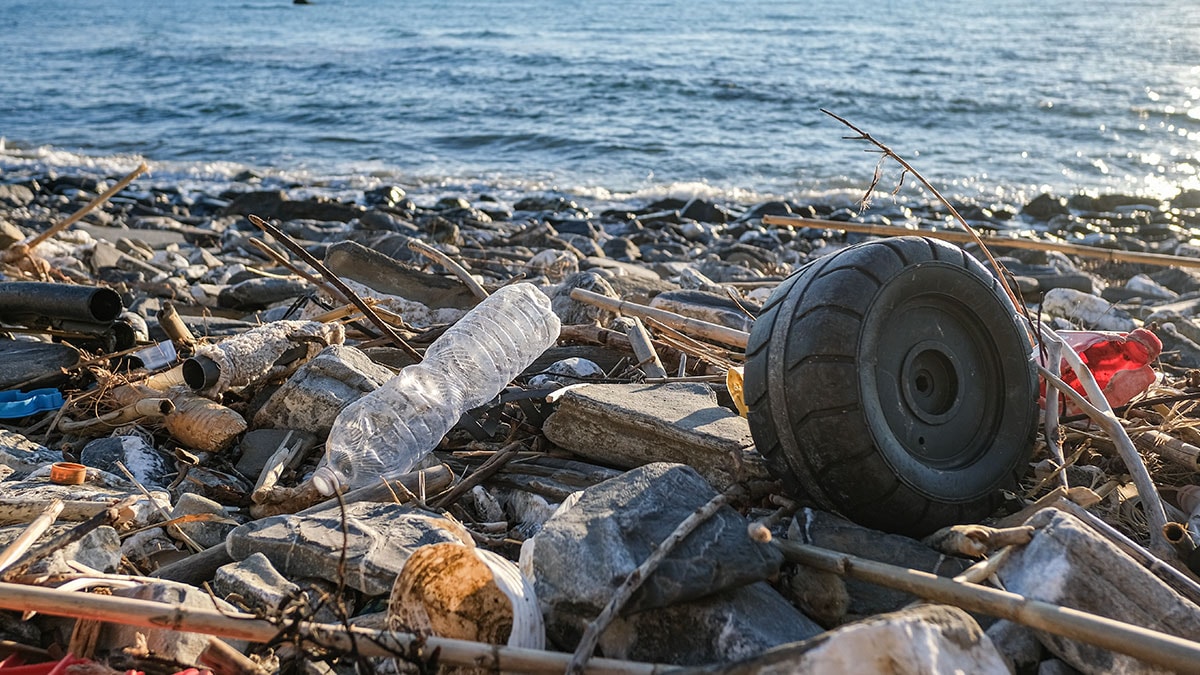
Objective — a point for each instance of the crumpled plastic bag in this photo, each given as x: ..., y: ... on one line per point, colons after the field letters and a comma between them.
x: 1120, y: 361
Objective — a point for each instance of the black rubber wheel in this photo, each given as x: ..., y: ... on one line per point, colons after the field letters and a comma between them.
x: 890, y: 382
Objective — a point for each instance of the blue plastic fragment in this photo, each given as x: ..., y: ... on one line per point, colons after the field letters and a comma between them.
x: 14, y: 404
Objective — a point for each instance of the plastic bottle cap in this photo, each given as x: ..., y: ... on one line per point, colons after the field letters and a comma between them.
x: 68, y: 473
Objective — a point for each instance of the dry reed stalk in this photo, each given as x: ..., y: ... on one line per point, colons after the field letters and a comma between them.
x: 1151, y: 646
x: 1109, y: 255
x: 345, y: 291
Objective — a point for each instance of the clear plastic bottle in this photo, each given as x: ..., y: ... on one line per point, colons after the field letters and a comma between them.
x: 390, y: 430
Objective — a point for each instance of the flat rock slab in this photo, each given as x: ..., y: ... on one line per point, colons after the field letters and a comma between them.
x: 925, y: 639
x: 628, y: 425
x: 586, y: 549
x: 1068, y: 564
x: 388, y: 275
x: 378, y: 537
x: 256, y: 583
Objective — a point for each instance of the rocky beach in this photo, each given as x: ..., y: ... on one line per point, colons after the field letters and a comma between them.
x: 537, y: 509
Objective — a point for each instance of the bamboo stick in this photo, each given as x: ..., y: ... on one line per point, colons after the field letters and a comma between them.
x: 153, y: 408
x: 87, y: 208
x: 1178, y: 452
x: 147, y: 614
x: 1110, y: 255
x: 711, y: 331
x: 1154, y: 647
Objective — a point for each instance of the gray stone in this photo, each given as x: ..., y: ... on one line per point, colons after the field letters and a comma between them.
x: 1055, y: 667
x: 924, y: 639
x: 205, y: 533
x: 1084, y: 309
x: 22, y: 454
x: 376, y: 219
x: 567, y: 371
x: 149, y: 466
x: 1019, y: 644
x: 9, y: 234
x: 254, y: 582
x: 254, y: 294
x: 256, y: 447
x: 828, y: 531
x: 572, y: 312
x: 588, y: 547
x: 390, y: 276
x: 99, y: 549
x: 628, y: 425
x: 735, y: 624
x: 313, y: 396
x: 15, y: 195
x: 379, y: 538
x: 1068, y: 564
x: 172, y: 645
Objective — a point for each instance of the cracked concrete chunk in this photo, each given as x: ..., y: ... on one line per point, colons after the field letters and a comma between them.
x: 628, y: 425
x: 312, y: 397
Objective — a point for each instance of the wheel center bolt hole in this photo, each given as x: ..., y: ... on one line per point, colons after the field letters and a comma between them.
x: 923, y: 382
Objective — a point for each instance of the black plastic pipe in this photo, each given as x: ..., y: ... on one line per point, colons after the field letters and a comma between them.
x: 89, y: 304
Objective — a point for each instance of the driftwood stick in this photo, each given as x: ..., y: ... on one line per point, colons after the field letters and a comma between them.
x: 1176, y: 451
x: 449, y: 263
x: 147, y: 614
x: 591, y: 635
x: 1110, y: 255
x: 346, y: 292
x: 1054, y: 358
x: 711, y: 331
x: 32, y: 533
x: 1154, y: 647
x: 1103, y: 415
x: 15, y: 511
x: 644, y: 350
x: 109, y: 516
x: 87, y: 208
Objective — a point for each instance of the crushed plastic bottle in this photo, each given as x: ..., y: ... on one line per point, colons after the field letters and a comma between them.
x: 390, y: 430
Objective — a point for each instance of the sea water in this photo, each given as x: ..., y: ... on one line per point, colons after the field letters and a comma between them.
x: 992, y: 98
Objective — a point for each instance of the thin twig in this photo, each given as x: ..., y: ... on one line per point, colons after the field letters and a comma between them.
x: 591, y: 636
x: 346, y: 292
x: 449, y: 263
x: 485, y: 471
x: 864, y: 136
x: 174, y: 530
